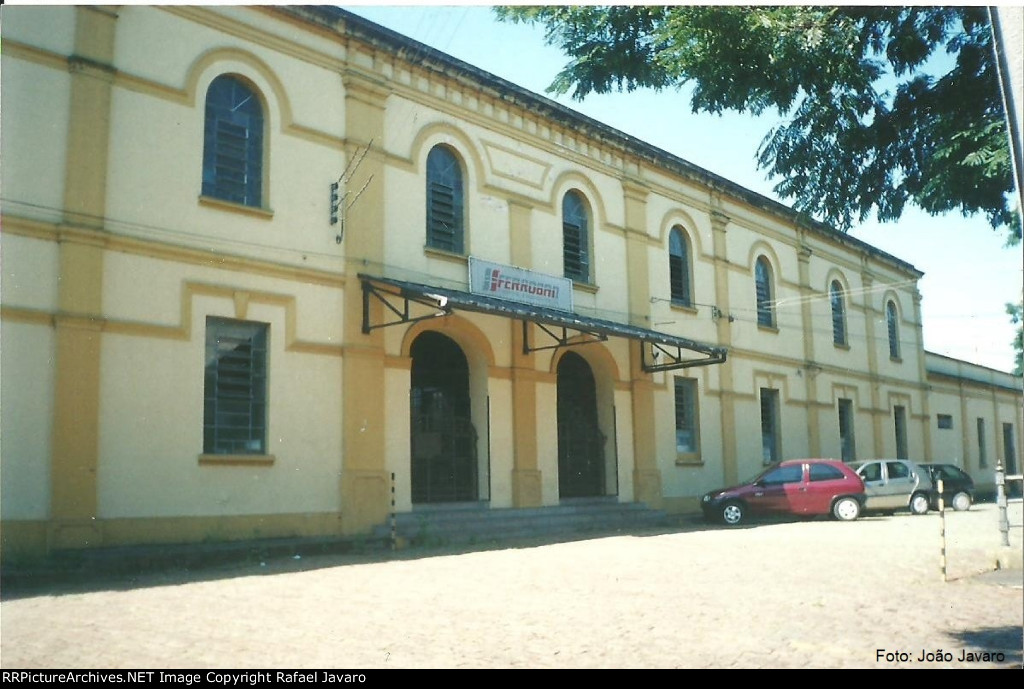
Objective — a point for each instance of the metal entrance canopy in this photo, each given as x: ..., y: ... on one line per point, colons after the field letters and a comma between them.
x: 398, y: 295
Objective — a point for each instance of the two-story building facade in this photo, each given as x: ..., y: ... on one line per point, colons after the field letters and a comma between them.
x: 257, y: 261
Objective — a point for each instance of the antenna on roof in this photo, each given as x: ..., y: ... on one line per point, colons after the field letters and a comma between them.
x: 340, y: 205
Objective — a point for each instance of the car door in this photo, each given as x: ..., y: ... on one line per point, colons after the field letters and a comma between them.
x: 899, y: 484
x: 824, y: 483
x: 873, y: 474
x: 778, y: 490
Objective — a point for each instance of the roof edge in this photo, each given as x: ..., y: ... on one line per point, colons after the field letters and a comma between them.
x: 345, y: 22
x: 971, y: 364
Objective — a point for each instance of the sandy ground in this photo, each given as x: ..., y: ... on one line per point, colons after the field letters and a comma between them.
x: 794, y: 594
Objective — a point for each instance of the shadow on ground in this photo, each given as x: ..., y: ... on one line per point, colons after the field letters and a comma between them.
x: 119, y: 569
x: 992, y: 640
x: 126, y: 568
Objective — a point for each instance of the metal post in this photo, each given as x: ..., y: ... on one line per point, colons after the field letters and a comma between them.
x: 942, y: 530
x: 1004, y: 523
x: 394, y: 539
x: 488, y: 449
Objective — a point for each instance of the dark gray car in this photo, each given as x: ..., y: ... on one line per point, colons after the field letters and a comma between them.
x: 894, y: 484
x: 957, y: 486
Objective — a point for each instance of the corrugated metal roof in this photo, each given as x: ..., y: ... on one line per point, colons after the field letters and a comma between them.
x: 466, y: 301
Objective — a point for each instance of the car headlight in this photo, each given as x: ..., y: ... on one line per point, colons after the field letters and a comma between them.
x: 707, y: 497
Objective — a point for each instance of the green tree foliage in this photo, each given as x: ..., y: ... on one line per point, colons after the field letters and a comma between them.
x: 1016, y: 313
x: 882, y: 106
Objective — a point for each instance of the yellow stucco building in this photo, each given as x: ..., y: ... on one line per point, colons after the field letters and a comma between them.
x: 257, y: 260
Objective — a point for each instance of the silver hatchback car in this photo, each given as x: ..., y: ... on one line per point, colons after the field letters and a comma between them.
x: 894, y: 484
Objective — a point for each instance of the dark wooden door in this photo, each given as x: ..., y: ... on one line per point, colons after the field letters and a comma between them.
x: 581, y: 469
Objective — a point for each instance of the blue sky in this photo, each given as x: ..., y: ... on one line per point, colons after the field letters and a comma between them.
x: 969, y: 274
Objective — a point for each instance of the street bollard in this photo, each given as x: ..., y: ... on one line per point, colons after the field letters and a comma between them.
x: 1004, y: 522
x: 942, y: 530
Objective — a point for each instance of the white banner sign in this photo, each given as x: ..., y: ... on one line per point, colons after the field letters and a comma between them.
x: 519, y: 285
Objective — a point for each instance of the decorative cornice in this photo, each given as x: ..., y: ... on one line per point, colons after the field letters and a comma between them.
x: 580, y: 130
x: 15, y: 225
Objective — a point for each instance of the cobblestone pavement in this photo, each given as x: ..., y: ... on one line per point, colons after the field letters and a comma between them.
x: 795, y: 594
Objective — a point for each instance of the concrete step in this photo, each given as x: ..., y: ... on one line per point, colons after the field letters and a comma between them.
x: 462, y: 524
x: 467, y: 523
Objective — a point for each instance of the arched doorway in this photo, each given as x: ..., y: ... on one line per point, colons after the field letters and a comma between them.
x: 443, y: 440
x: 581, y: 462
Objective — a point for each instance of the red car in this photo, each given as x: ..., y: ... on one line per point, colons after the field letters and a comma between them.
x: 795, y: 486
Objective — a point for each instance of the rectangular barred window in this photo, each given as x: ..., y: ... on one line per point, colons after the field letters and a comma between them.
x: 687, y: 439
x: 231, y: 162
x: 574, y: 253
x: 899, y: 415
x: 235, y: 399
x: 1009, y: 450
x: 443, y: 226
x: 847, y: 441
x: 982, y: 452
x: 945, y: 421
x: 770, y: 425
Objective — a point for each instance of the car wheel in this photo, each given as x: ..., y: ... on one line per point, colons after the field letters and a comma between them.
x: 846, y: 509
x: 918, y: 503
x: 733, y: 513
x: 961, y: 502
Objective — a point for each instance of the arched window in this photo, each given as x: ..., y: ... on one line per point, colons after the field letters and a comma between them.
x: 838, y: 313
x: 444, y: 201
x: 233, y: 143
x: 575, y: 237
x: 892, y: 322
x: 764, y: 293
x: 679, y: 267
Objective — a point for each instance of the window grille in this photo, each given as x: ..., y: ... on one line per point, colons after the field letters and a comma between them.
x: 679, y: 267
x: 900, y: 426
x: 847, y: 437
x: 235, y: 404
x: 1009, y: 450
x: 763, y: 286
x: 444, y: 201
x: 233, y: 143
x: 575, y: 233
x: 838, y: 313
x: 982, y: 448
x: 770, y: 425
x: 686, y: 415
x: 892, y: 323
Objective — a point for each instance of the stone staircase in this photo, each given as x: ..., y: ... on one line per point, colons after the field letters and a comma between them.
x: 463, y: 525
x: 476, y: 523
